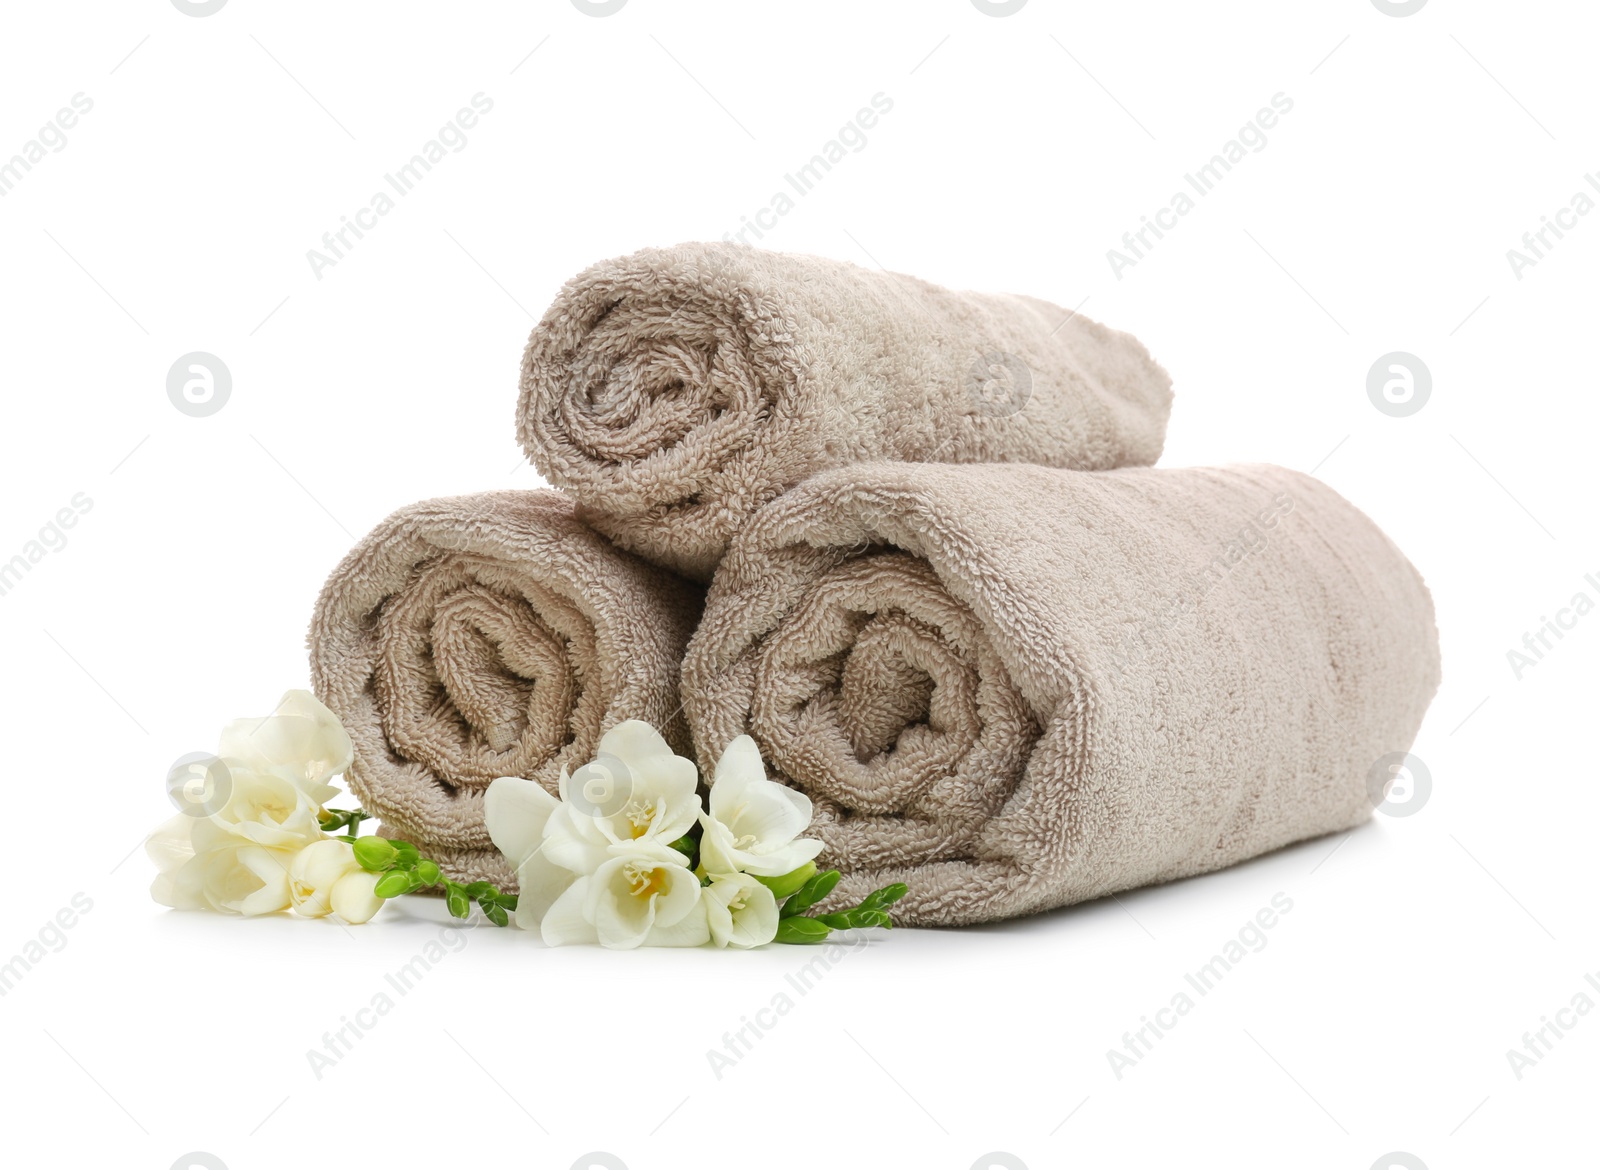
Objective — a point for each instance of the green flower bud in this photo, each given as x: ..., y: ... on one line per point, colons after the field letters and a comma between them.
x: 428, y: 871
x: 808, y: 895
x: 456, y: 899
x: 785, y: 884
x: 887, y: 896
x: 393, y: 884
x: 856, y: 919
x: 374, y: 854
x: 802, y: 930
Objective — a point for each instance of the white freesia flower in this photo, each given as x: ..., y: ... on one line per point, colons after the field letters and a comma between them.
x: 637, y: 892
x: 301, y: 741
x: 645, y: 895
x: 595, y: 865
x: 740, y: 911
x: 635, y: 790
x: 242, y: 879
x: 754, y: 824
x: 237, y: 859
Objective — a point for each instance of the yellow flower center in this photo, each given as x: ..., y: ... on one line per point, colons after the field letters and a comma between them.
x: 640, y: 814
x: 644, y: 881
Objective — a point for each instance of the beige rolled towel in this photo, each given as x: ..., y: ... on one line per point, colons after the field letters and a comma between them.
x: 674, y: 391
x: 1017, y: 687
x: 490, y: 635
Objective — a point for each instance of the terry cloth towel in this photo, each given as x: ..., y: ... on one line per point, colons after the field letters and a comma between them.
x: 490, y: 635
x: 676, y: 390
x: 1015, y: 687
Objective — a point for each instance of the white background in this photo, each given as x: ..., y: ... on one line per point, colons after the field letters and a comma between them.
x: 1019, y: 149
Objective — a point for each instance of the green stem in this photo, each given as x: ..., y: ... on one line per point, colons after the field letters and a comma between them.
x: 405, y: 871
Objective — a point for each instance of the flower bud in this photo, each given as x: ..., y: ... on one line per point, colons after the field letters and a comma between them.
x: 393, y: 884
x: 374, y: 853
x: 785, y: 884
x: 355, y: 897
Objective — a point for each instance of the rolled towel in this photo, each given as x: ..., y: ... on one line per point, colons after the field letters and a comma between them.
x: 1014, y: 687
x: 674, y: 391
x: 490, y: 635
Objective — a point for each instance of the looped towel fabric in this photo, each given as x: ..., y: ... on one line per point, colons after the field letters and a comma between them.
x: 674, y: 391
x: 1017, y: 687
x: 490, y: 635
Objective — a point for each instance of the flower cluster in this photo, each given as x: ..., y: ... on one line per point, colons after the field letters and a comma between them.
x: 627, y: 856
x: 252, y: 841
x: 252, y: 836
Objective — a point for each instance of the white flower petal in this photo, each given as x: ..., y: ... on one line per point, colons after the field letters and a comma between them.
x: 719, y: 919
x: 770, y: 813
x: 539, y: 884
x: 172, y: 843
x: 301, y: 738
x: 634, y: 741
x: 656, y: 776
x: 739, y: 767
x: 516, y: 811
x: 571, y: 842
x: 681, y: 894
x: 565, y: 923
x: 689, y: 931
x: 256, y: 881
x: 182, y: 888
x: 781, y: 860
x: 717, y: 853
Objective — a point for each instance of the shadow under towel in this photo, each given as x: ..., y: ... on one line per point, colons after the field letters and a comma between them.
x: 676, y: 390
x: 1016, y: 687
x: 490, y: 635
